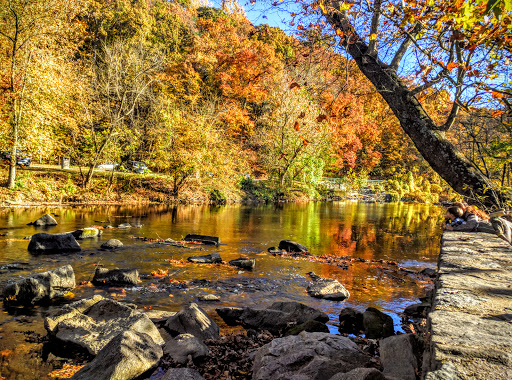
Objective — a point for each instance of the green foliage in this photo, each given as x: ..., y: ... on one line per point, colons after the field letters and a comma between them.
x: 257, y: 190
x: 210, y: 13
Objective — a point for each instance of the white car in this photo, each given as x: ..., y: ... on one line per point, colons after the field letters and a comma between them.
x: 107, y: 165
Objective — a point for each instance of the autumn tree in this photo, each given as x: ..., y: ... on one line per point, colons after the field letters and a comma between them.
x: 37, y: 42
x: 454, y: 45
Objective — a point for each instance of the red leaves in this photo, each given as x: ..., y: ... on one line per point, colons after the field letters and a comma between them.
x: 321, y: 118
x: 294, y: 85
x: 451, y: 66
x: 296, y: 126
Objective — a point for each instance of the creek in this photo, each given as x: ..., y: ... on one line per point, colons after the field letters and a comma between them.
x: 374, y: 239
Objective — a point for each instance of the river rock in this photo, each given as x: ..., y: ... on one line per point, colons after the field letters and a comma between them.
x: 45, y: 220
x: 376, y: 324
x: 299, y: 312
x: 124, y: 225
x: 184, y: 345
x: 87, y: 233
x: 312, y: 356
x: 104, y: 276
x: 418, y: 310
x: 243, y: 263
x: 56, y: 243
x: 447, y: 372
x: 291, y: 246
x: 159, y: 316
x: 207, y: 240
x: 41, y: 287
x: 193, y: 320
x: 326, y: 288
x: 127, y: 356
x: 181, y: 374
x: 212, y: 258
x: 88, y: 325
x: 112, y: 244
x: 351, y: 321
x: 397, y: 357
x: 230, y: 315
x: 360, y: 374
x: 208, y: 298
x: 309, y: 326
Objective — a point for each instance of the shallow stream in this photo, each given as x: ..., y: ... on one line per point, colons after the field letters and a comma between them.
x: 372, y: 237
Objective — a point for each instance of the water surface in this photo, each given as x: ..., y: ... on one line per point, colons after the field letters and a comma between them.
x: 407, y: 234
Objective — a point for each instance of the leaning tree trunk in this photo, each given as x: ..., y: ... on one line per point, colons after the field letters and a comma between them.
x: 441, y: 155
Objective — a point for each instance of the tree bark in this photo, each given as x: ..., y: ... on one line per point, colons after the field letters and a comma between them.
x: 442, y: 156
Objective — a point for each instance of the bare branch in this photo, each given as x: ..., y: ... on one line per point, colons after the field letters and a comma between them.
x: 409, y: 39
x: 377, y: 10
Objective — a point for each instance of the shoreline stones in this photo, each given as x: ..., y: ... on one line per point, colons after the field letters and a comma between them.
x: 193, y: 320
x: 41, y: 287
x: 48, y: 243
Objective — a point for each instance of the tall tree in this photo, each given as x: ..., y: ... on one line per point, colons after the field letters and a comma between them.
x: 34, y: 34
x: 452, y: 44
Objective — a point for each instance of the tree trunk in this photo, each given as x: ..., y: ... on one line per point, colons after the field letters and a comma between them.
x: 442, y: 156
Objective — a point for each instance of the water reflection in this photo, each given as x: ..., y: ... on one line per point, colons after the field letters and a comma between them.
x: 405, y: 233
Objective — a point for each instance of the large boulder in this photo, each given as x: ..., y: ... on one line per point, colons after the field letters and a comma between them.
x: 45, y: 220
x: 103, y: 276
x: 212, y: 258
x: 41, y: 287
x: 397, y: 356
x: 291, y: 246
x: 276, y: 318
x: 87, y: 233
x: 351, y: 321
x: 48, y: 243
x: 326, y: 288
x: 193, y: 320
x: 127, y: 356
x: 184, y: 345
x: 376, y: 324
x: 88, y: 325
x: 314, y: 356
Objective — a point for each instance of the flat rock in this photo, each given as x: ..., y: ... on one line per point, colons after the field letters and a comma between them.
x: 207, y: 240
x: 53, y: 243
x: 41, y: 287
x: 193, y: 320
x: 104, y: 276
x: 127, y: 356
x: 89, y: 324
x: 314, y: 356
x: 212, y: 258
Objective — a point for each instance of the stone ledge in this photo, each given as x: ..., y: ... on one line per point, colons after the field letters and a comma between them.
x: 471, y: 319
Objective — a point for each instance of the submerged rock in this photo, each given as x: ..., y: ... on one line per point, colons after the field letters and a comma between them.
x: 315, y: 356
x: 193, y: 320
x: 45, y: 220
x: 326, y: 288
x: 207, y: 240
x: 212, y: 258
x: 56, y: 243
x: 41, y: 287
x: 104, y: 276
x: 127, y: 356
x: 88, y: 325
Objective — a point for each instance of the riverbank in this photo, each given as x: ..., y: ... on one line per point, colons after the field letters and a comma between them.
x: 470, y: 322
